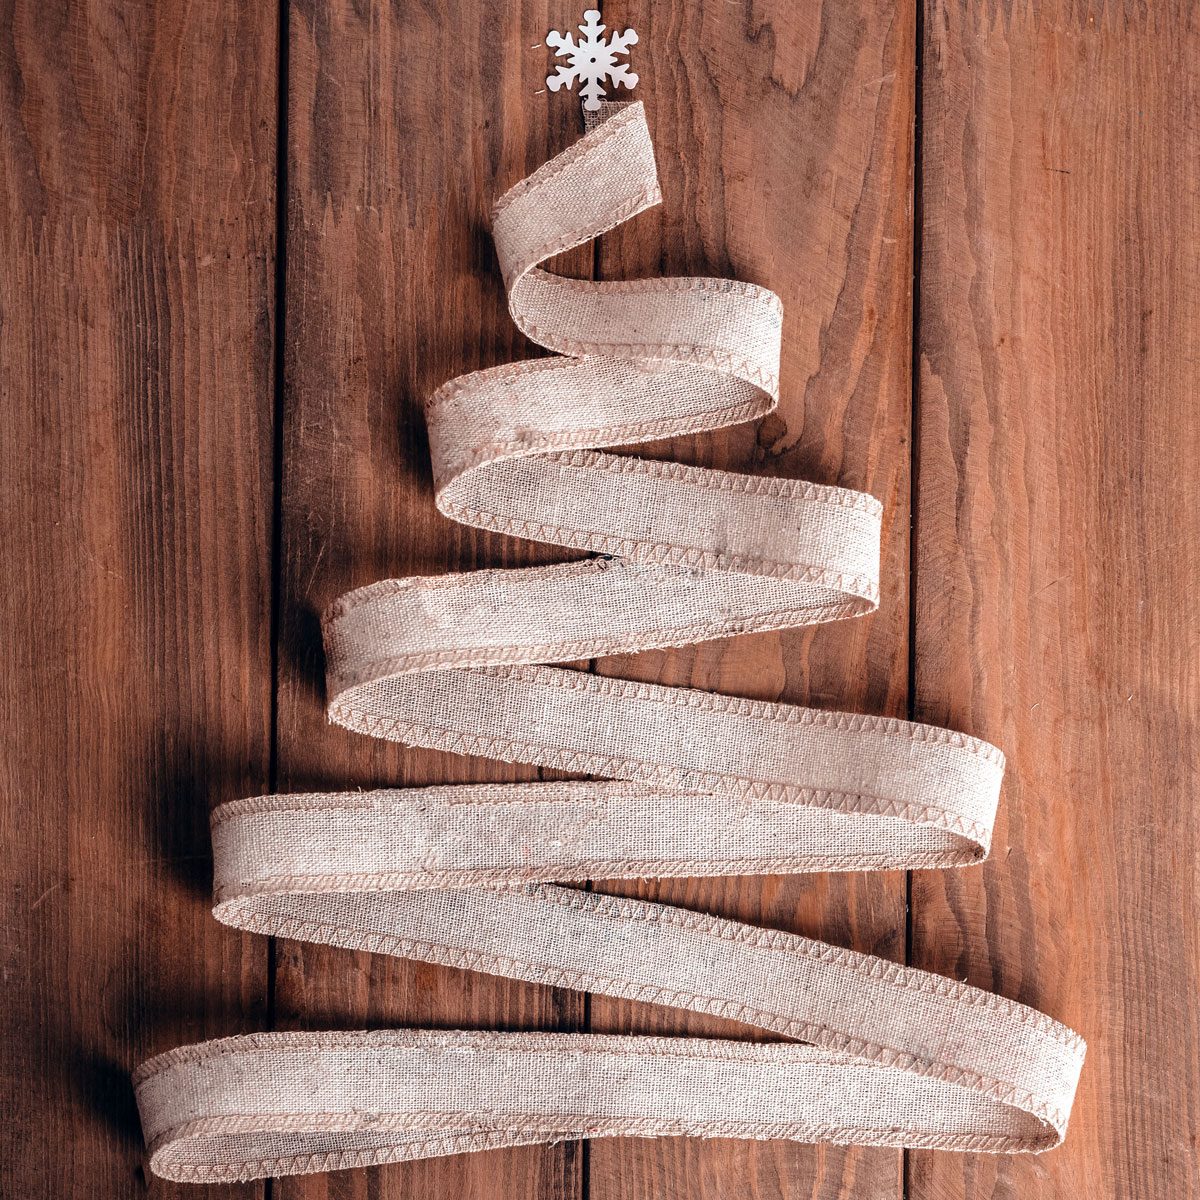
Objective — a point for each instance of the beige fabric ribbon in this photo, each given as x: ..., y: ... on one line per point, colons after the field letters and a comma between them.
x: 696, y: 784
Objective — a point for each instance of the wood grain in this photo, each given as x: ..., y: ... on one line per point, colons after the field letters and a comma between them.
x: 1058, y: 544
x: 404, y: 123
x: 136, y: 298
x: 1057, y: 524
x: 783, y: 136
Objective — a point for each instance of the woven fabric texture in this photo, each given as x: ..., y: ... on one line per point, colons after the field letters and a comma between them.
x: 691, y: 783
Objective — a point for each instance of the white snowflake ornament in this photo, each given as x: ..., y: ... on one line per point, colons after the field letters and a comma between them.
x: 593, y: 61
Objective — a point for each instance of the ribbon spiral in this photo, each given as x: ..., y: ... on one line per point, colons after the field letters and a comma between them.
x: 693, y: 783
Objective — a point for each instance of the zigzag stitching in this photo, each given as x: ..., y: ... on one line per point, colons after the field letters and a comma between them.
x: 573, y: 448
x: 551, y: 652
x: 476, y: 960
x: 659, y: 552
x: 760, y: 710
x: 585, y: 763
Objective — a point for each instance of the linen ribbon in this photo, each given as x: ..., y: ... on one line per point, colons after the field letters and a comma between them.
x: 693, y: 783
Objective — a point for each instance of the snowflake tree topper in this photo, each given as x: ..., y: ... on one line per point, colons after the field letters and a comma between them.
x: 593, y: 61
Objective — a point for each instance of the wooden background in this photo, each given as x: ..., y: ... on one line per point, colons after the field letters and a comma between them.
x: 237, y: 247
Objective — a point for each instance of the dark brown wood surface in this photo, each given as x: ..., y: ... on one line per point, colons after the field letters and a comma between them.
x: 176, y: 513
x: 137, y: 281
x: 1058, y: 488
x: 784, y: 138
x: 401, y: 122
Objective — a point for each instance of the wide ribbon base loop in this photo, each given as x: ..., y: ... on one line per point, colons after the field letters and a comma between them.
x: 692, y: 783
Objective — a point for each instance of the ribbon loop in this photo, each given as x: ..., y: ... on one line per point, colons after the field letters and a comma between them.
x: 692, y: 783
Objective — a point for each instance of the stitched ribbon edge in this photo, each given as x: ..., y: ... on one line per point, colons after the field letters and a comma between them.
x: 519, y: 261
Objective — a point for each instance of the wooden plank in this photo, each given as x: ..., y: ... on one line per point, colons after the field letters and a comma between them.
x: 404, y: 123
x: 1058, y: 547
x: 137, y: 213
x: 784, y: 137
